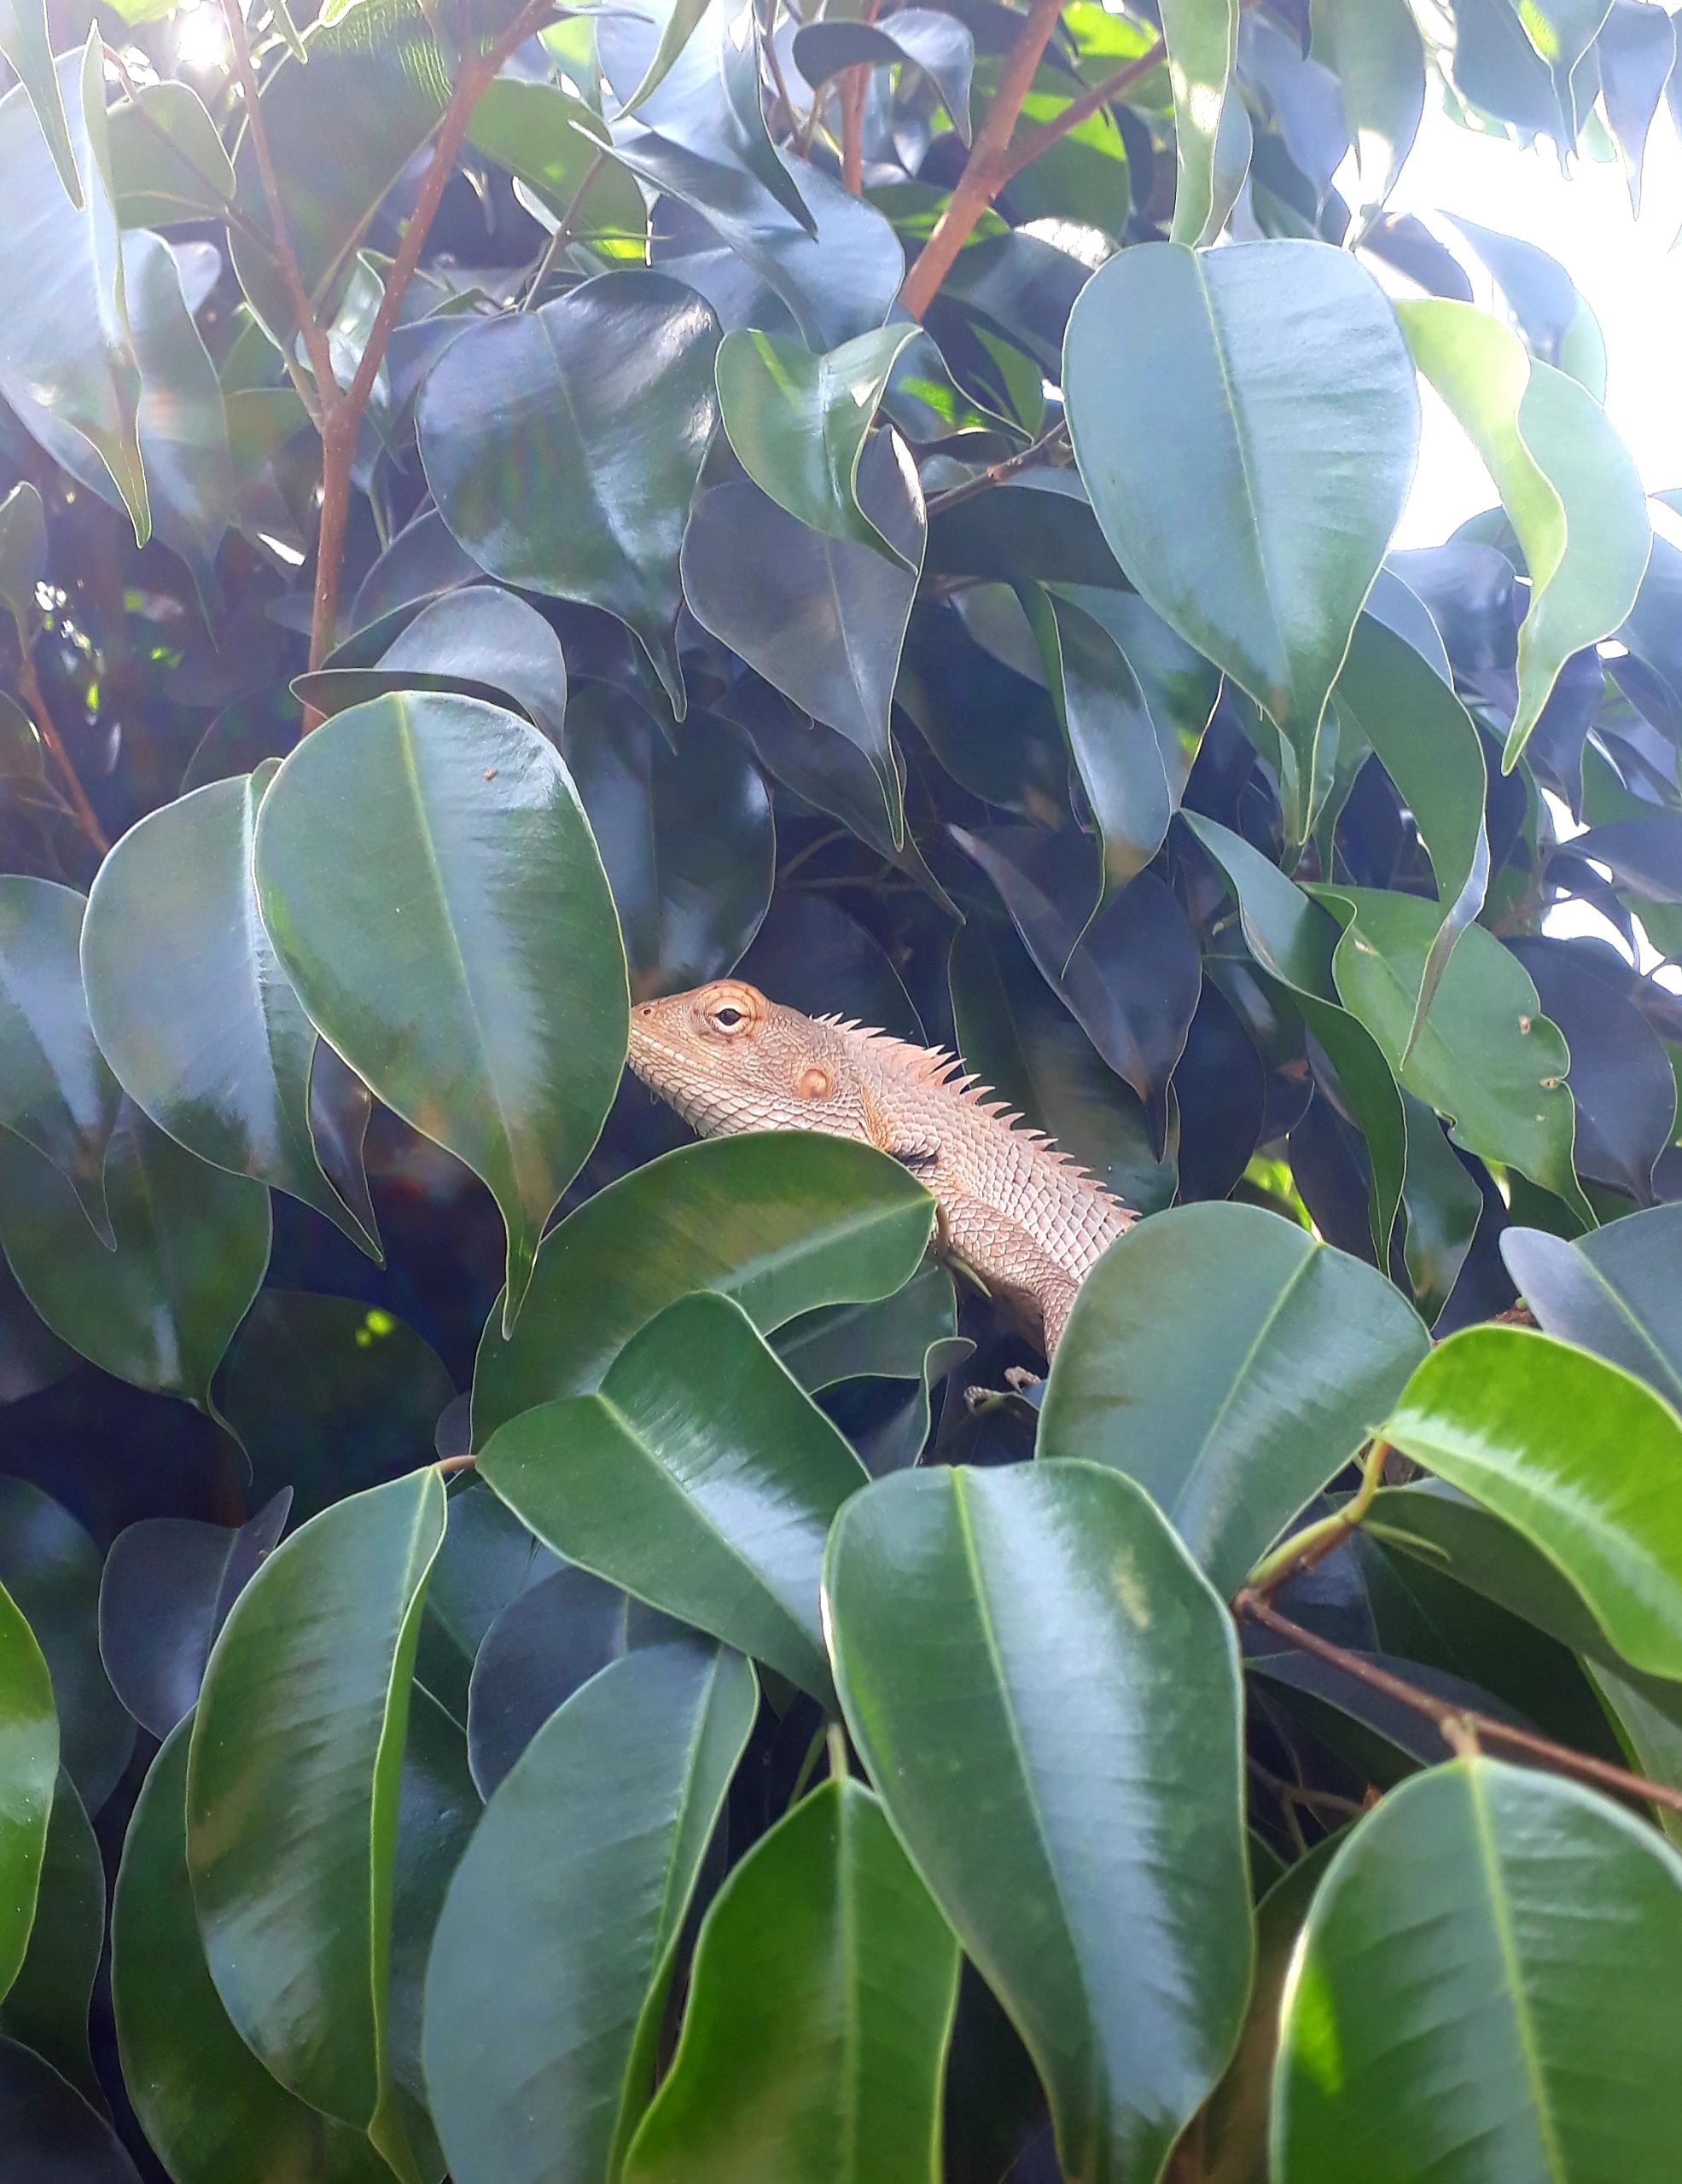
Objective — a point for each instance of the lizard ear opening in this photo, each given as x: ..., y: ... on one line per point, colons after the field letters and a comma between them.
x: 815, y: 1083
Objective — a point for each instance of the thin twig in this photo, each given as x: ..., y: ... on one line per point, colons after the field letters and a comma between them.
x: 1041, y: 139
x: 86, y: 818
x: 996, y: 472
x: 1455, y: 1722
x: 445, y: 1465
x: 564, y: 232
x: 773, y: 61
x: 344, y: 413
x: 1307, y: 1549
x: 278, y: 241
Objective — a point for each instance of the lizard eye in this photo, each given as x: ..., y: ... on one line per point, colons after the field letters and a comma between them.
x: 728, y: 1018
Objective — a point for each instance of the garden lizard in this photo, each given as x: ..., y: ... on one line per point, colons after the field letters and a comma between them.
x: 1012, y: 1210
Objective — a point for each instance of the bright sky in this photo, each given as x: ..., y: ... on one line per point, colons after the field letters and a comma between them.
x: 1626, y: 267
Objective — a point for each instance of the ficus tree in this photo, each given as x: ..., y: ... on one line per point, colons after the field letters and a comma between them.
x: 538, y: 1650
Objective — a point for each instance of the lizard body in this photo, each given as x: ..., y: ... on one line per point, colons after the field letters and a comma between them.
x: 1023, y: 1216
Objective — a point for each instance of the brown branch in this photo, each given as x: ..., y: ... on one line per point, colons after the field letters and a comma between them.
x: 1455, y: 1722
x: 992, y: 163
x: 1042, y: 138
x: 278, y: 241
x: 345, y: 413
x: 446, y: 1465
x: 778, y: 82
x: 853, y: 86
x: 29, y: 683
x: 995, y: 473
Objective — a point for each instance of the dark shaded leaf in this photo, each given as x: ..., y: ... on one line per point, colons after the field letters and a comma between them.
x: 1611, y: 1292
x: 50, y: 2135
x: 482, y: 642
x: 811, y: 955
x: 47, y: 2007
x: 56, y: 1090
x: 31, y: 1734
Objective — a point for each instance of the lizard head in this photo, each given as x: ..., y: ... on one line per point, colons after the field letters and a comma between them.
x: 728, y: 1060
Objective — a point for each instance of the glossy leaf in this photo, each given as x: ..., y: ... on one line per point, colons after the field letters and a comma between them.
x: 1581, y: 1458
x: 1485, y: 1057
x: 209, y: 2107
x: 543, y: 136
x: 26, y: 40
x: 50, y: 1564
x: 819, y: 2008
x: 888, y: 1339
x: 1567, y: 483
x: 68, y: 352
x: 26, y: 1778
x: 470, y: 972
x: 560, y: 1963
x: 167, y: 162
x: 942, y: 46
x: 57, y: 1090
x: 685, y: 835
x: 781, y: 1223
x: 292, y: 1796
x: 1255, y: 513
x: 822, y: 621
x: 1231, y: 1365
x: 46, y: 2009
x: 1202, y: 37
x: 958, y: 1602
x: 1611, y: 1292
x: 1450, y: 2007
x: 164, y: 1593
x: 798, y: 423
x: 699, y: 1477
x: 192, y: 1247
x: 483, y: 642
x: 562, y: 446
x: 1374, y: 49
x: 189, y: 1001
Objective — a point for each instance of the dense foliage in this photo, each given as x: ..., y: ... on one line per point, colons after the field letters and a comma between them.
x: 535, y: 1648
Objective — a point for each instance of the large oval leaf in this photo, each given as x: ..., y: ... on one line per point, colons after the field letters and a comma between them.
x: 429, y: 880
x: 49, y: 2132
x: 782, y: 1223
x: 292, y: 1795
x: 47, y: 2007
x: 1032, y: 1668
x: 1613, y: 1291
x: 1255, y: 511
x: 1231, y: 1364
x: 699, y: 1477
x: 210, y: 2110
x: 28, y: 1770
x: 1583, y: 1460
x: 189, y: 1000
x: 1454, y: 2013
x: 57, y: 1090
x: 819, y: 2009
x: 557, y: 1935
x: 192, y: 1247
x: 562, y: 446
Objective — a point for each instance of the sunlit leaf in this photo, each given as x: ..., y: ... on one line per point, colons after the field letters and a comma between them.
x: 1202, y: 37
x: 57, y: 1090
x: 27, y: 1774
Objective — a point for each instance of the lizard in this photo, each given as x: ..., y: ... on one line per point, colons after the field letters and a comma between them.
x: 1024, y: 1217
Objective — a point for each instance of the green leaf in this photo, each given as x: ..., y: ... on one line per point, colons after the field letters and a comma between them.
x: 1453, y: 2013
x: 887, y: 1339
x: 820, y: 2005
x: 56, y: 1090
x: 1374, y: 49
x: 559, y: 1964
x: 429, y: 882
x: 1231, y: 1364
x: 167, y: 161
x: 47, y: 2009
x: 942, y: 46
x: 1294, y: 941
x: 1202, y: 37
x: 1284, y: 419
x: 1570, y: 490
x: 183, y: 426
x: 292, y: 1797
x: 27, y: 1773
x: 1581, y: 1458
x: 1031, y: 1667
x: 1485, y: 1057
x: 782, y: 1223
x: 1424, y: 740
x: 173, y: 944
x: 798, y: 422
x: 550, y: 142
x: 1613, y: 1291
x: 562, y: 446
x: 484, y: 643
x: 69, y: 356
x: 699, y: 1477
x: 686, y: 836
x: 51, y: 1568
x: 26, y: 40
x: 209, y: 2107
x: 192, y: 1245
